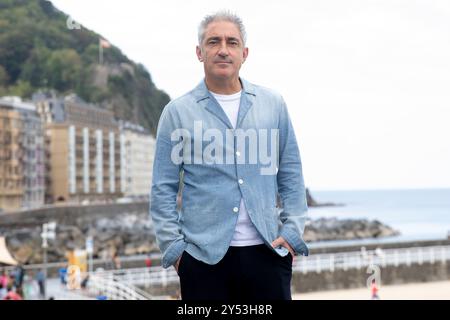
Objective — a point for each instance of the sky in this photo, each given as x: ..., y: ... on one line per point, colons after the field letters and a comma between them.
x: 367, y: 83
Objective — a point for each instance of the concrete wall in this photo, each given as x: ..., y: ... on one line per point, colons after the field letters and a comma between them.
x: 69, y: 213
x: 357, y: 278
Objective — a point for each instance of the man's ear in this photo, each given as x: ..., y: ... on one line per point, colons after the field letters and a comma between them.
x: 245, y: 54
x: 199, y: 53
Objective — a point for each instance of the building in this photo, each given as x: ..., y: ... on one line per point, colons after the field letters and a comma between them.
x: 83, y: 150
x: 137, y: 153
x: 22, y: 155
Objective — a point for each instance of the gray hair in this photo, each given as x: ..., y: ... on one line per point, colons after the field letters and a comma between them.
x: 223, y: 15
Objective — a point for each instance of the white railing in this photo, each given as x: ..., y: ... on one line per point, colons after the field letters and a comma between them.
x: 157, y: 276
x: 381, y: 257
x: 115, y: 290
x: 142, y: 276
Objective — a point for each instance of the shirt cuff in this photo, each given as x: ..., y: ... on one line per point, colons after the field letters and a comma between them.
x: 295, y: 241
x: 173, y: 252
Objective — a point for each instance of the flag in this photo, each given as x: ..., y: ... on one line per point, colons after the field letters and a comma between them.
x: 104, y: 43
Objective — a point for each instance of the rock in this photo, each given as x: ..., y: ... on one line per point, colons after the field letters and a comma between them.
x: 104, y: 236
x: 23, y: 253
x: 144, y: 248
x: 345, y: 229
x: 313, y: 203
x: 130, y: 250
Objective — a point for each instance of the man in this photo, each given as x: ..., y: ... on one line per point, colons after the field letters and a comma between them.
x: 40, y: 277
x: 233, y: 146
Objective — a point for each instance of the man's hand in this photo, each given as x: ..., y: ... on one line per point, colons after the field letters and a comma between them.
x: 281, y: 242
x: 177, y: 264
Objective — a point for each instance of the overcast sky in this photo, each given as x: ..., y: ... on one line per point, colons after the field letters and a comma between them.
x: 367, y: 83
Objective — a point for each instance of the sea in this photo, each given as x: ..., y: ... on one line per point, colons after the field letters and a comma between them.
x: 419, y: 214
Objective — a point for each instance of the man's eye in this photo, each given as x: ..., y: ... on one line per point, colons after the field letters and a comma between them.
x: 212, y: 42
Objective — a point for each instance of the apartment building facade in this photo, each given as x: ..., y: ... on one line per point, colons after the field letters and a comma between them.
x: 83, y: 150
x: 22, y: 156
x: 137, y: 148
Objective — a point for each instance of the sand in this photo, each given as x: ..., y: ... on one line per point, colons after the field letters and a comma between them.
x: 412, y: 291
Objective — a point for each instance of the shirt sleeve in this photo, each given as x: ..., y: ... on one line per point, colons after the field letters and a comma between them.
x: 164, y: 190
x: 291, y: 187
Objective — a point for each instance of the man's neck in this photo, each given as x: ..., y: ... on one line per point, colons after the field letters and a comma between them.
x: 225, y: 86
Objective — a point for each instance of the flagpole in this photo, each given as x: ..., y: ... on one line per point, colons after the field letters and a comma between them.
x: 100, y: 51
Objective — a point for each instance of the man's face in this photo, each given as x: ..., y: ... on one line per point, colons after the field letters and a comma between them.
x: 222, y: 50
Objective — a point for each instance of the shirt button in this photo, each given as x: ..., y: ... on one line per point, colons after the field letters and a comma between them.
x: 235, y: 209
x: 238, y: 153
x: 241, y: 181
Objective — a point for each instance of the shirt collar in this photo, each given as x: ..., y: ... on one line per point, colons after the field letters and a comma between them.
x: 201, y: 92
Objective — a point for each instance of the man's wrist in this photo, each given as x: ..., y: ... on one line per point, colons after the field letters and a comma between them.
x: 173, y: 252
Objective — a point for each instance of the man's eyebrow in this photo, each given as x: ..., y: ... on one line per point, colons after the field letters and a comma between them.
x: 213, y: 38
x: 219, y: 38
x: 232, y: 38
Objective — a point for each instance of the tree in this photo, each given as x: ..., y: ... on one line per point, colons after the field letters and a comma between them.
x: 34, y: 70
x: 62, y: 69
x: 3, y: 76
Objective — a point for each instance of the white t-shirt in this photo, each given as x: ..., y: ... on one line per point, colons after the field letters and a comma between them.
x: 245, y: 233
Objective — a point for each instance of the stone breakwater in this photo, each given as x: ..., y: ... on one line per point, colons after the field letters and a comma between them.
x: 324, y: 229
x: 133, y: 233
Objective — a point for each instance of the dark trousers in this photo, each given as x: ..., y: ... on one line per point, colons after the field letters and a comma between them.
x: 41, y: 288
x: 245, y: 273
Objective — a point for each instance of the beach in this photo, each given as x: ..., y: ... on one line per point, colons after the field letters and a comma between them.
x: 439, y: 290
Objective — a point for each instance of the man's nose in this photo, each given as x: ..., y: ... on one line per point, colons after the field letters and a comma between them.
x: 223, y: 50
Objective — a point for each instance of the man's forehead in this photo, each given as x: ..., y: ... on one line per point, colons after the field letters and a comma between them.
x: 222, y: 29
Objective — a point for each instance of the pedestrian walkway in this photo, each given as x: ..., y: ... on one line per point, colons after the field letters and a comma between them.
x: 57, y: 291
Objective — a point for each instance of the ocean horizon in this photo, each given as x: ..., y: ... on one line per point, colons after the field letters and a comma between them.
x: 418, y: 214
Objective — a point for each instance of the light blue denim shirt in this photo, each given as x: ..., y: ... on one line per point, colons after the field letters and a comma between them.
x: 258, y: 160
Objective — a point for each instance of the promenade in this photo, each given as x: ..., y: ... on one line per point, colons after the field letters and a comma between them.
x: 439, y: 290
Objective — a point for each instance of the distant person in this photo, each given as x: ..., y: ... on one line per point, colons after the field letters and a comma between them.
x: 19, y: 274
x: 229, y: 240
x: 12, y: 295
x: 19, y: 291
x: 3, y: 284
x: 40, y: 277
x: 4, y: 279
x: 63, y: 275
x: 85, y: 282
x: 116, y: 261
x: 374, y: 290
x: 28, y: 286
x: 148, y: 261
x: 12, y: 279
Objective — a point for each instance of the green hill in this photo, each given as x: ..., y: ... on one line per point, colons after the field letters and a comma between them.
x: 38, y: 51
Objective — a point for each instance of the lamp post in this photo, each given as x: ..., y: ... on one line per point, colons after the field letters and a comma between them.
x: 90, y: 251
x: 48, y: 232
